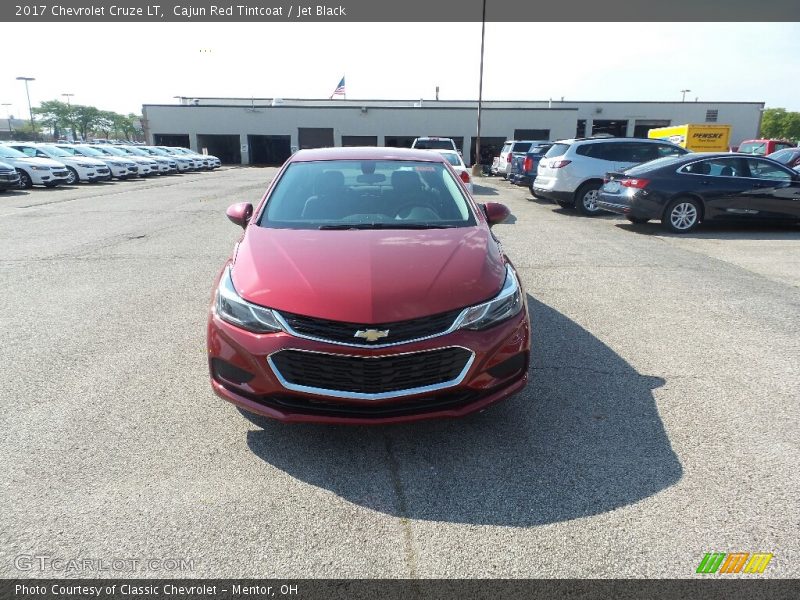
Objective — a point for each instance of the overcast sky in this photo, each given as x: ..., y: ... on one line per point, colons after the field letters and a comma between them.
x: 122, y: 66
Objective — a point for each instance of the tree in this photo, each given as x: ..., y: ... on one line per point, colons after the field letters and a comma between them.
x: 56, y: 115
x: 87, y: 118
x: 778, y: 123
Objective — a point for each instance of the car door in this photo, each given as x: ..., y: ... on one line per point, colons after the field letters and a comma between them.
x: 719, y: 181
x: 773, y: 190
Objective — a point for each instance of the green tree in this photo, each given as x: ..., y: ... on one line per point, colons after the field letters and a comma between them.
x: 56, y: 115
x: 87, y: 118
x: 778, y: 123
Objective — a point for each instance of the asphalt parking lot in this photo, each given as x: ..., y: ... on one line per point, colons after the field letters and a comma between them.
x: 660, y: 422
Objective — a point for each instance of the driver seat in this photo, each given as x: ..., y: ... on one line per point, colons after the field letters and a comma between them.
x: 406, y: 189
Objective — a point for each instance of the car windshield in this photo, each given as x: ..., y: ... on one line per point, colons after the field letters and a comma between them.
x: 110, y: 151
x: 133, y: 151
x: 366, y: 194
x: 784, y: 156
x: 434, y: 145
x: 7, y: 152
x: 85, y: 150
x: 54, y: 150
x: 753, y: 148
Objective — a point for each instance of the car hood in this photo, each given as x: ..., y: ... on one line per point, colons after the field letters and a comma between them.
x: 95, y: 162
x: 368, y: 276
x: 42, y: 162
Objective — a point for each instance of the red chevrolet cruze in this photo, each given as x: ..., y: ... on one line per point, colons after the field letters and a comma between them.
x: 367, y: 288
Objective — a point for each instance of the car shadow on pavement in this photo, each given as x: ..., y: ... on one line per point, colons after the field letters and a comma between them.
x: 482, y: 190
x: 716, y: 230
x: 584, y: 438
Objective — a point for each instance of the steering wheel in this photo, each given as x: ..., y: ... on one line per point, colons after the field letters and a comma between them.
x: 409, y: 206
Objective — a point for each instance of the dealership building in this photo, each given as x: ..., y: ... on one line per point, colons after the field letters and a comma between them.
x: 268, y: 130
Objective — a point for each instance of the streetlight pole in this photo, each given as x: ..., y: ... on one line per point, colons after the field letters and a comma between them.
x: 28, y: 94
x: 477, y: 167
x: 68, y: 97
x: 683, y: 98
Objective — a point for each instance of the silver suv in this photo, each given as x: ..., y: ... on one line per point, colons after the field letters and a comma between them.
x: 572, y: 171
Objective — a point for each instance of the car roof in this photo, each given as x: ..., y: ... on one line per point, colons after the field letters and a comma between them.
x: 365, y: 153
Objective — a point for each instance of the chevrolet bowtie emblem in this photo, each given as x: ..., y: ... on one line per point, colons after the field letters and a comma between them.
x: 372, y: 335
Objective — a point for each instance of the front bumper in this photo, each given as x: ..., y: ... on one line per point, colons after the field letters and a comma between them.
x: 498, y: 368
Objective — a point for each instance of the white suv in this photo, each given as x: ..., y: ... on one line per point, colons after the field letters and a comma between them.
x: 572, y: 171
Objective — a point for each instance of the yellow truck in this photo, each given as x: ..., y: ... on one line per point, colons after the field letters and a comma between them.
x: 695, y: 137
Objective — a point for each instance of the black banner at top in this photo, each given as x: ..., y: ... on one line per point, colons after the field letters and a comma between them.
x: 616, y: 13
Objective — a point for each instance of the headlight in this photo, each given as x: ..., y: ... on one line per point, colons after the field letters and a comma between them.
x: 84, y: 165
x: 503, y: 306
x: 232, y: 308
x: 35, y: 168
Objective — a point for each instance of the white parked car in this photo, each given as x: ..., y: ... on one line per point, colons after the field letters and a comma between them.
x: 455, y: 160
x: 209, y: 160
x: 165, y: 164
x: 80, y: 168
x: 184, y: 163
x: 147, y: 167
x: 120, y: 167
x: 198, y: 164
x: 34, y: 171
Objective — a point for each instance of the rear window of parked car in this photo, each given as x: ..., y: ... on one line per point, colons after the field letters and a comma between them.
x: 434, y: 145
x: 522, y: 147
x: 557, y: 150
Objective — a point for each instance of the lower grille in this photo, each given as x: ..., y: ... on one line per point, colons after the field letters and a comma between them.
x: 370, y: 375
x: 428, y: 404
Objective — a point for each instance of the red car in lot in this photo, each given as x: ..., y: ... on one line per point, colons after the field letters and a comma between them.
x: 367, y: 288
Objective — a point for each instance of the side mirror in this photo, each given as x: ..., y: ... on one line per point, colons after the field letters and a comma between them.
x: 240, y: 213
x: 496, y: 212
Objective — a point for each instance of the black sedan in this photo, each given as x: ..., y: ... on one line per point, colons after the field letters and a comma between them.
x: 683, y: 191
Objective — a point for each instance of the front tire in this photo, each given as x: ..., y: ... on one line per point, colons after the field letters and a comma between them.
x: 25, y: 180
x: 586, y: 199
x: 682, y: 215
x: 73, y: 177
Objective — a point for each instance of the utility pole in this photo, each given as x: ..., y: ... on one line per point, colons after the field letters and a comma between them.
x: 27, y: 93
x: 477, y: 168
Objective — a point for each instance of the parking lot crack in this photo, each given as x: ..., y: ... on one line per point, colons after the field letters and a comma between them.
x: 410, y: 553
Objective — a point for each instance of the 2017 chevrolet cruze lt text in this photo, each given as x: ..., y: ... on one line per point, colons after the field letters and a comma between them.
x: 367, y: 287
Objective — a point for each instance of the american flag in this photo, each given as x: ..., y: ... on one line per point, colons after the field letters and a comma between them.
x: 339, y: 91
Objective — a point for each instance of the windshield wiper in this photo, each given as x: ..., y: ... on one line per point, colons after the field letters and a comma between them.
x: 386, y: 226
